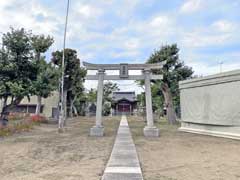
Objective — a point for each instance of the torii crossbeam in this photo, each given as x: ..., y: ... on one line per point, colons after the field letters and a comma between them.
x: 150, y: 129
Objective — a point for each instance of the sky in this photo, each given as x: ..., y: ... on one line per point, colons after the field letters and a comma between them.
x: 128, y: 31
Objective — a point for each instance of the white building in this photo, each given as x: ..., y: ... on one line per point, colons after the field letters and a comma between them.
x: 48, y: 109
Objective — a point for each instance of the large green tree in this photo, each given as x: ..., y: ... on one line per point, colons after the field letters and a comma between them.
x: 18, y: 69
x: 173, y: 71
x: 46, y: 74
x: 74, y: 77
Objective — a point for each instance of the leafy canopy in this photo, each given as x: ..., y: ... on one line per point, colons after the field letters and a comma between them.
x: 18, y: 70
x: 173, y: 71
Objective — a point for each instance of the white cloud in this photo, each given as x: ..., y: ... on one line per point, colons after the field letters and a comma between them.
x: 87, y: 10
x: 124, y: 8
x: 127, y: 53
x: 93, y: 29
x: 159, y: 21
x: 199, y: 39
x: 201, y: 68
x: 132, y: 43
x: 191, y: 6
x: 224, y: 26
x: 219, y: 33
x: 26, y: 14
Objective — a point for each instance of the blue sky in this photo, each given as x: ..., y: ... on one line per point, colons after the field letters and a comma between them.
x: 114, y: 31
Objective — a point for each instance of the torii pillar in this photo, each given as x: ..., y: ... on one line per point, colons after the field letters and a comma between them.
x: 98, y: 129
x: 150, y: 130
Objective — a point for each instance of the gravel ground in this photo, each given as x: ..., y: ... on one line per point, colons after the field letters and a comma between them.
x: 43, y: 154
x: 185, y: 156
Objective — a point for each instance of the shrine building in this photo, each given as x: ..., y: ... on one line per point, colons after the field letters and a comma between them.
x: 124, y: 102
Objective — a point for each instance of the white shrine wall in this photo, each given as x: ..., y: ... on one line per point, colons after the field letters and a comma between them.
x: 211, y: 105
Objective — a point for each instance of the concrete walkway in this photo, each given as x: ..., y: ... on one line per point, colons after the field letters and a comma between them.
x: 123, y: 163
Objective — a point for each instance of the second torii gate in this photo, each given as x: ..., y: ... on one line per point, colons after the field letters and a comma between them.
x: 150, y: 130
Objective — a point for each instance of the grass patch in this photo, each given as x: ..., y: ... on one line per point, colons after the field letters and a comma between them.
x: 111, y: 125
x: 83, y: 125
x: 137, y: 124
x: 18, y: 127
x: 20, y: 124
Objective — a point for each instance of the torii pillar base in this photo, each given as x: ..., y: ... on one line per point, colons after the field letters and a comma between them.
x: 151, y: 132
x: 97, y: 131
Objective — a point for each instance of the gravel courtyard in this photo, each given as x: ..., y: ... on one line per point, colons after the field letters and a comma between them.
x: 184, y: 156
x: 43, y: 154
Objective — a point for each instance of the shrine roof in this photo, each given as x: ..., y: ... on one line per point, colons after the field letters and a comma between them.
x: 123, y: 95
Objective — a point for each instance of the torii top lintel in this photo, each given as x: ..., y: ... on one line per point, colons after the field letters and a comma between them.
x: 91, y: 66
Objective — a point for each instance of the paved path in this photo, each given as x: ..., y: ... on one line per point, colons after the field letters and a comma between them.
x: 123, y: 163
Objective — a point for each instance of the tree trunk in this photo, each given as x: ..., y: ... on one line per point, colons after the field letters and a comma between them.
x: 39, y: 104
x: 171, y: 115
x: 8, y: 107
x: 3, y: 107
x: 75, y: 110
x: 71, y: 108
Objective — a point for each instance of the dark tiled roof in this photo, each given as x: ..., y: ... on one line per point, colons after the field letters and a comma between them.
x: 130, y: 96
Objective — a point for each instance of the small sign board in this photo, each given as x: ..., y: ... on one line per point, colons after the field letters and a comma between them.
x: 123, y: 71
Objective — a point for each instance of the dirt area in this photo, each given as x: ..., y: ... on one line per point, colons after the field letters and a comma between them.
x: 185, y: 156
x: 43, y: 154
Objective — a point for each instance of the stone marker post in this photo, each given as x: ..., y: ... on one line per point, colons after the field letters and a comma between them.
x: 98, y: 129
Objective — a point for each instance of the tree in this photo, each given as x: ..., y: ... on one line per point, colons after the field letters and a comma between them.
x: 41, y: 44
x: 74, y: 77
x: 76, y: 92
x: 18, y: 70
x: 157, y: 100
x: 108, y: 89
x: 46, y: 82
x: 46, y: 74
x: 141, y: 99
x: 92, y: 95
x: 173, y: 71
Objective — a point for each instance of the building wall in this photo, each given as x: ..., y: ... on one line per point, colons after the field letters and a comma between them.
x: 48, y: 103
x: 211, y: 104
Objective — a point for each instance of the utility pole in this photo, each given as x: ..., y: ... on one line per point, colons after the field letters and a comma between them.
x: 62, y: 117
x: 1, y: 106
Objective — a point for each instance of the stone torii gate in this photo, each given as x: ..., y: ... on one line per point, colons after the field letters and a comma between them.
x: 150, y: 130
